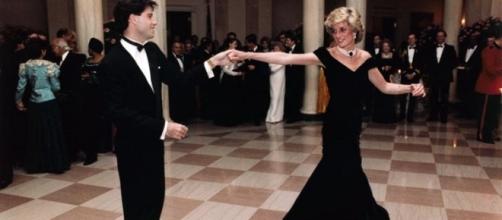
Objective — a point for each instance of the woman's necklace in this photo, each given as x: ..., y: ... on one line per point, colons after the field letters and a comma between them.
x: 348, y: 53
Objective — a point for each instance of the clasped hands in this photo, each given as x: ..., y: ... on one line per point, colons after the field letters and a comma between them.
x: 417, y: 89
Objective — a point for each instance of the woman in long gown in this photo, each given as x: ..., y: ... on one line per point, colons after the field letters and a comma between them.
x: 275, y: 111
x: 46, y: 148
x: 230, y: 93
x: 338, y: 187
x: 385, y: 107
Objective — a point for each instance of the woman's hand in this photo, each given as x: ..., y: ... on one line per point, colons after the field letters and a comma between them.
x: 418, y: 90
x: 236, y: 55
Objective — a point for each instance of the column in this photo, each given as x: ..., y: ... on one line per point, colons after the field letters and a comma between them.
x: 451, y: 24
x: 496, y: 9
x: 313, y: 27
x: 160, y: 39
x: 265, y: 18
x: 89, y: 22
x: 360, y: 6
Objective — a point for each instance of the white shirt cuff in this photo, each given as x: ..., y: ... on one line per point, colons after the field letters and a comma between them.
x: 209, y: 70
x: 164, y: 131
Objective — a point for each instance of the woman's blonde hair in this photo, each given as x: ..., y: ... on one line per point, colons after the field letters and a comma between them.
x: 348, y: 14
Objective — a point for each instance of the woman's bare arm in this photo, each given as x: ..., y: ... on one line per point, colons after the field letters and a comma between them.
x: 377, y: 79
x: 277, y: 57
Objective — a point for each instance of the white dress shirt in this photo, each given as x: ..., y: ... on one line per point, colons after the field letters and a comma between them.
x: 439, y: 52
x: 377, y: 51
x: 411, y: 54
x: 63, y: 57
x: 180, y: 62
x: 141, y: 60
x: 469, y: 53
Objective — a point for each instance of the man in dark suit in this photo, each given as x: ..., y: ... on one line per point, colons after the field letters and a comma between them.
x: 69, y: 96
x: 256, y: 84
x: 181, y: 96
x: 6, y: 159
x: 411, y: 66
x: 374, y: 48
x: 467, y: 74
x: 132, y: 74
x: 441, y: 60
x: 295, y: 83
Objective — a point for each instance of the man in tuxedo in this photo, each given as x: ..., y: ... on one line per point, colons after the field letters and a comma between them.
x: 411, y: 66
x: 69, y: 96
x: 256, y: 83
x: 181, y: 97
x: 467, y: 74
x: 6, y: 159
x: 374, y: 48
x: 295, y: 83
x: 441, y: 60
x: 132, y: 74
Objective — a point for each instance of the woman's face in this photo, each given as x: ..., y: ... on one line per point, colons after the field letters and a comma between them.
x: 343, y: 34
x: 277, y: 49
x: 264, y: 44
x: 232, y: 45
x: 386, y: 47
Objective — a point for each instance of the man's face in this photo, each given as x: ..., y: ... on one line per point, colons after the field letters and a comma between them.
x: 282, y: 38
x: 145, y: 23
x: 412, y: 39
x: 188, y: 47
x: 440, y: 38
x: 289, y: 43
x: 377, y: 40
x: 177, y: 49
x: 58, y: 51
x: 250, y: 45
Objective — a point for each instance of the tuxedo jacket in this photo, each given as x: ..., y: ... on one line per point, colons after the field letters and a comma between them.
x: 187, y: 62
x: 416, y: 65
x: 473, y: 65
x: 296, y: 71
x: 69, y: 76
x: 260, y: 74
x: 441, y: 72
x: 136, y: 108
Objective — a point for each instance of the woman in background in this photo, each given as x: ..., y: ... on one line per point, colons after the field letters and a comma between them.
x: 46, y: 150
x: 384, y: 107
x: 277, y: 88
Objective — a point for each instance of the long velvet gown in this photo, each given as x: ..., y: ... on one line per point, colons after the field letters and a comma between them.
x: 338, y: 187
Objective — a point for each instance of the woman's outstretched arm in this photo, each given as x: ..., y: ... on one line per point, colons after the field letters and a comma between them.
x: 277, y: 57
x: 377, y: 79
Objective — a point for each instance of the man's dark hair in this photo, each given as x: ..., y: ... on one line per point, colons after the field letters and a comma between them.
x: 442, y: 31
x: 62, y: 32
x: 125, y: 8
x: 251, y: 38
x: 95, y: 45
x: 231, y: 34
x: 291, y: 36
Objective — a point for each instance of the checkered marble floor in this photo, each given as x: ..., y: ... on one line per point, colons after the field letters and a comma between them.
x: 417, y: 171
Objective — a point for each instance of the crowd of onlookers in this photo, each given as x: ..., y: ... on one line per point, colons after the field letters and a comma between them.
x: 53, y: 112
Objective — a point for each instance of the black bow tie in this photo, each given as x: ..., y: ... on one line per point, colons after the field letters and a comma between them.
x: 139, y: 46
x: 439, y: 45
x: 179, y: 56
x: 411, y: 47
